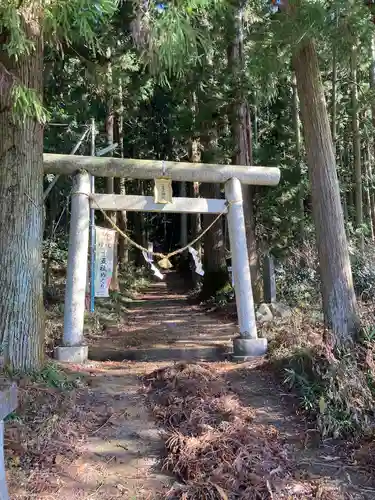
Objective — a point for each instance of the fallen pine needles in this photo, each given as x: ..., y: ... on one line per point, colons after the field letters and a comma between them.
x: 214, y: 446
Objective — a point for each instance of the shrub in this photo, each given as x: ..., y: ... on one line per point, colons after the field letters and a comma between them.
x: 335, y: 387
x: 297, y: 278
x: 298, y: 281
x: 363, y: 269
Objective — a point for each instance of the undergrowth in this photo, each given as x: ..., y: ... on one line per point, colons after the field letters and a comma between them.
x: 335, y: 386
x: 222, y: 297
x: 298, y: 280
x: 108, y: 311
x: 55, y: 414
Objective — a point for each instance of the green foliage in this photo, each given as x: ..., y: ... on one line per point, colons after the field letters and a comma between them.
x: 11, y: 23
x: 223, y: 296
x: 177, y: 36
x: 56, y: 249
x: 78, y: 20
x: 297, y: 278
x: 298, y: 281
x: 333, y: 387
x: 27, y: 104
x: 363, y: 268
x: 52, y: 376
x: 68, y: 20
x: 133, y: 278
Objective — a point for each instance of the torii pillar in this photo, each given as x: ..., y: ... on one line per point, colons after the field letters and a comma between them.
x: 247, y: 344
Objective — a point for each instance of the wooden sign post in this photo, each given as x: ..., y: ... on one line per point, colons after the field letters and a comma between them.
x: 269, y: 279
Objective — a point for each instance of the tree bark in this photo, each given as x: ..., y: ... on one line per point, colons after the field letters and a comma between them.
x: 367, y: 194
x: 242, y: 145
x: 120, y: 183
x: 195, y: 157
x: 183, y: 218
x: 372, y: 149
x: 21, y: 210
x: 214, y: 262
x: 110, y: 185
x: 297, y: 136
x: 334, y: 96
x: 370, y: 183
x: 339, y: 301
x: 356, y: 149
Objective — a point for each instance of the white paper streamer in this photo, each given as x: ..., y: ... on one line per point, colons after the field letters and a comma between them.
x: 197, y: 261
x: 149, y: 259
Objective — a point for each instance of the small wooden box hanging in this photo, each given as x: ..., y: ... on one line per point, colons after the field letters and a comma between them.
x: 163, y: 190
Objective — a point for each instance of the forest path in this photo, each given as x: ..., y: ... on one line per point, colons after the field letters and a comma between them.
x: 120, y: 455
x: 161, y: 325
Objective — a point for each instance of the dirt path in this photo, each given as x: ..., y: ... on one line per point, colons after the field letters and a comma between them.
x: 332, y: 464
x: 163, y: 326
x: 119, y: 455
x: 120, y: 458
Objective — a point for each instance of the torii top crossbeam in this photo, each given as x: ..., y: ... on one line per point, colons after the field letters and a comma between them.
x: 151, y: 169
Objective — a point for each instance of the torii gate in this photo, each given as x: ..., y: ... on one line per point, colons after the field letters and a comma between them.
x: 73, y: 349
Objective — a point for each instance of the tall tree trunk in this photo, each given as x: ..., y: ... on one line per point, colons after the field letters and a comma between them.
x: 344, y: 198
x: 21, y: 209
x: 110, y: 184
x: 196, y: 225
x: 122, y: 222
x: 183, y: 223
x: 366, y: 190
x: 356, y: 148
x: 333, y: 98
x: 349, y: 184
x: 140, y: 227
x: 297, y: 137
x: 184, y: 256
x: 195, y: 157
x: 120, y: 184
x: 241, y: 136
x: 372, y: 149
x: 339, y: 301
x: 214, y: 262
x: 370, y: 184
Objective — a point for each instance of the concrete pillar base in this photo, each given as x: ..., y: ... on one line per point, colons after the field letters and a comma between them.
x: 72, y: 354
x: 248, y: 348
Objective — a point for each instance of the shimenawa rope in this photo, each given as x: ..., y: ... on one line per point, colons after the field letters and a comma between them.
x: 164, y: 261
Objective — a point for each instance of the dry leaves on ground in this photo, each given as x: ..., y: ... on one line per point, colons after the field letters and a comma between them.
x: 215, y: 447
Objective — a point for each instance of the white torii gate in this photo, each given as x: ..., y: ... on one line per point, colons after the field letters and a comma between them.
x: 73, y: 349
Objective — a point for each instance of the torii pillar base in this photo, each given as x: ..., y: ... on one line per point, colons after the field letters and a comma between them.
x: 72, y: 354
x: 244, y: 349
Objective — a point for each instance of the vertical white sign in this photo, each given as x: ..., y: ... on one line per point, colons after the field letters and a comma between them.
x: 104, y: 254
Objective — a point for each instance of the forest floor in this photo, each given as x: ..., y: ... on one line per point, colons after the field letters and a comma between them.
x: 93, y: 433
